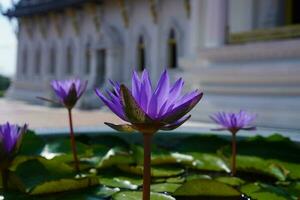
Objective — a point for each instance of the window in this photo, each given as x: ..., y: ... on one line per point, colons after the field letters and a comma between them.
x: 87, y: 59
x: 172, y: 50
x: 37, y: 64
x: 24, y: 61
x: 292, y: 12
x: 101, y: 66
x: 69, y: 67
x: 141, y: 54
x: 52, y: 61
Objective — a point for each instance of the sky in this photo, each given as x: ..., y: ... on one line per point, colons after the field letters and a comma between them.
x: 8, y: 43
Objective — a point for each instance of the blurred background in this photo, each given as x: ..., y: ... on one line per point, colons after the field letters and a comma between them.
x: 244, y: 54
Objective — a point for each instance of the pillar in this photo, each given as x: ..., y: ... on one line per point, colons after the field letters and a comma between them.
x: 216, y: 23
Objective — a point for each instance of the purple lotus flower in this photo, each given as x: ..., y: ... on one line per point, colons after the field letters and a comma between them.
x: 10, y: 140
x: 69, y: 91
x: 234, y: 121
x: 147, y: 108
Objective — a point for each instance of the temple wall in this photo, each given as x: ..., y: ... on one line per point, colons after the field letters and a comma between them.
x: 119, y: 41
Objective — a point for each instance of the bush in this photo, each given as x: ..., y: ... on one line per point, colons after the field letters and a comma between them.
x: 4, y: 83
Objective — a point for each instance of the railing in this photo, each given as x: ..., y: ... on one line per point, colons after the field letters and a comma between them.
x: 278, y: 33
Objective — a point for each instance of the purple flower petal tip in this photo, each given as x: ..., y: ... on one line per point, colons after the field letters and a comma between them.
x: 10, y: 140
x: 234, y: 121
x: 69, y: 91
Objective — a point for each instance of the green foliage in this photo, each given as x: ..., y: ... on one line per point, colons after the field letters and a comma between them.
x: 138, y: 196
x: 206, y: 187
x: 4, y: 83
x: 194, y: 167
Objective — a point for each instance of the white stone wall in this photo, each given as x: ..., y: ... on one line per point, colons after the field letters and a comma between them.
x: 120, y: 44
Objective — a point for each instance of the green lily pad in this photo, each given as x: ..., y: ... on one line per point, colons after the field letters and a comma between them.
x: 266, y: 192
x: 294, y: 189
x: 138, y: 196
x: 39, y: 176
x: 177, y: 179
x: 156, y: 171
x: 62, y: 185
x: 116, y: 156
x: 119, y: 180
x: 206, y: 187
x: 161, y: 156
x: 209, y: 162
x: 61, y: 150
x: 232, y: 181
x: 165, y: 187
x: 32, y: 145
x: 197, y: 176
x: 260, y: 166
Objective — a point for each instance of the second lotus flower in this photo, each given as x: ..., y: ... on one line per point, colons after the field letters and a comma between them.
x: 148, y: 109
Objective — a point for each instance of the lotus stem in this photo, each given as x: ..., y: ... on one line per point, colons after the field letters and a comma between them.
x: 147, y: 166
x: 73, y: 143
x: 4, y: 174
x: 233, y: 155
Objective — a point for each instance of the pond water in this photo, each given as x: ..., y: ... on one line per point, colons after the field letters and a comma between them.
x: 185, y: 166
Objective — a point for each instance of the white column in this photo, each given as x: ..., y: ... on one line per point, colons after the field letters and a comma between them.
x: 196, y: 26
x: 216, y: 23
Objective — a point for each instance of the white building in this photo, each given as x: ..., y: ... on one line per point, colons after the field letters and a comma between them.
x: 241, y: 53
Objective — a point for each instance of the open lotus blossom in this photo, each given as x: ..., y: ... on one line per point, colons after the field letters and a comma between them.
x: 145, y: 107
x: 234, y: 121
x: 69, y: 91
x: 149, y: 109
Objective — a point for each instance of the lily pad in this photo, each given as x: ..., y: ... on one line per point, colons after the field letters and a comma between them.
x: 233, y: 181
x: 138, y: 196
x: 156, y: 171
x: 32, y: 145
x: 266, y: 192
x: 165, y: 187
x: 161, y: 156
x: 117, y: 179
x: 116, y: 156
x: 38, y: 176
x: 206, y: 187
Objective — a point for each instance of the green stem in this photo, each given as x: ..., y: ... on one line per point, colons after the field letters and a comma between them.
x: 147, y: 166
x: 73, y: 143
x: 233, y: 155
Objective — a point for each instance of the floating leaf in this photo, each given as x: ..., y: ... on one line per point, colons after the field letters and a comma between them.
x: 61, y: 150
x: 116, y: 156
x: 32, y: 144
x: 161, y: 156
x: 266, y: 192
x: 210, y: 162
x: 165, y: 187
x: 206, y: 187
x: 161, y: 171
x: 260, y: 166
x: 138, y: 196
x: 233, y: 181
x: 64, y: 185
x: 38, y: 176
x: 114, y: 178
